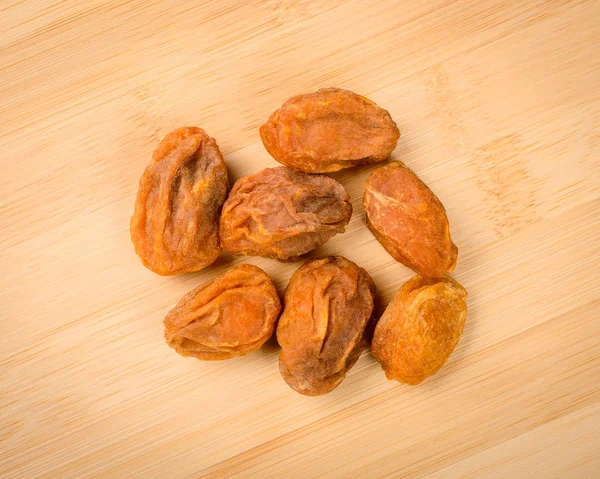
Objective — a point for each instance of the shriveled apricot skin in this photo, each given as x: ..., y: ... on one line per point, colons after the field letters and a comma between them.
x: 175, y: 224
x: 232, y: 315
x: 329, y: 130
x: 409, y: 221
x: 420, y: 328
x: 281, y: 213
x: 322, y: 330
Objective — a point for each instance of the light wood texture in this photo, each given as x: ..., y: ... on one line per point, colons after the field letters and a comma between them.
x: 499, y: 106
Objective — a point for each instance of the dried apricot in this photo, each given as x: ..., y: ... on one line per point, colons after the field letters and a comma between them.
x: 329, y: 130
x: 174, y: 227
x: 281, y: 213
x: 232, y: 315
x: 322, y: 330
x: 409, y: 220
x: 420, y: 328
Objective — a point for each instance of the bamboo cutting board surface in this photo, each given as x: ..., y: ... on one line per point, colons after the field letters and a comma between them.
x: 499, y: 106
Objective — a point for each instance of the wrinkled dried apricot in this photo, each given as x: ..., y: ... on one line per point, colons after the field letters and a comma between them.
x: 329, y: 130
x: 232, y: 315
x: 281, y: 213
x: 409, y: 220
x: 420, y: 328
x: 174, y: 227
x: 328, y: 309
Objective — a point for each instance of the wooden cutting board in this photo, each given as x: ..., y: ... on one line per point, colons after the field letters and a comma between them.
x: 499, y: 106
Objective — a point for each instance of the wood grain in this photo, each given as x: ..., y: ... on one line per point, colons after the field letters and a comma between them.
x: 499, y: 107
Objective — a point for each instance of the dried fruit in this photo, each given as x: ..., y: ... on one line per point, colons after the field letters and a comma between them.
x: 329, y: 130
x: 281, y: 213
x: 420, y: 328
x: 174, y: 227
x: 328, y: 307
x: 232, y: 315
x: 409, y: 220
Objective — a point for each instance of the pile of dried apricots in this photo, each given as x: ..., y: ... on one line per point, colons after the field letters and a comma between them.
x: 184, y: 216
